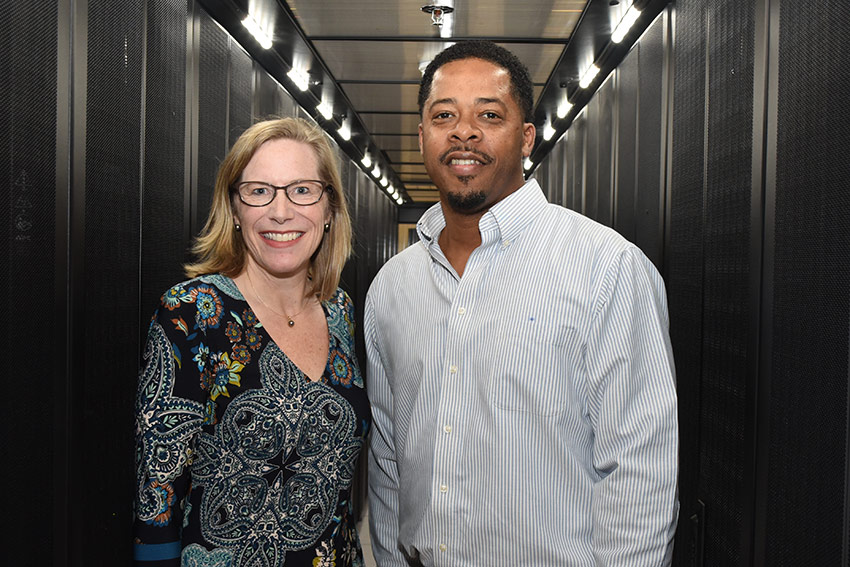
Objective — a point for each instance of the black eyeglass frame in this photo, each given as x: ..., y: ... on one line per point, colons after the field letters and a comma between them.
x: 326, y: 188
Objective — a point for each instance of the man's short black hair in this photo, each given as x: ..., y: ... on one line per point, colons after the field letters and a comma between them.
x: 521, y: 85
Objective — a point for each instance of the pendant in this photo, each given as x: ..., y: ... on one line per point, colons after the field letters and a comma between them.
x: 291, y: 323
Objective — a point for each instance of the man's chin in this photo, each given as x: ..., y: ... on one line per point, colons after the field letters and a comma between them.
x: 465, y: 203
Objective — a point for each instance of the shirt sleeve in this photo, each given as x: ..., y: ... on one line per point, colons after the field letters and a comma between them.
x: 383, y: 469
x: 632, y: 406
x: 166, y: 426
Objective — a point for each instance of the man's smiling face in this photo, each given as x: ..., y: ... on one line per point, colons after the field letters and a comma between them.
x: 472, y: 136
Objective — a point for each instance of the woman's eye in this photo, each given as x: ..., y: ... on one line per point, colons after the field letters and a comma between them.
x: 260, y: 190
x: 301, y: 190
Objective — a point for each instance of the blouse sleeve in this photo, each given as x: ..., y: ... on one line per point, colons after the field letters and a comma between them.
x: 166, y: 427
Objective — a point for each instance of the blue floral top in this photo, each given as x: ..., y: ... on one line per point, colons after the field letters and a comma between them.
x: 241, y: 459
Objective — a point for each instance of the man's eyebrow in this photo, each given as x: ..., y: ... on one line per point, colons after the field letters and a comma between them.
x: 441, y: 101
x: 480, y: 100
x: 484, y: 100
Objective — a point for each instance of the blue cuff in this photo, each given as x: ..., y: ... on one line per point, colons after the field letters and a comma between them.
x: 156, y: 551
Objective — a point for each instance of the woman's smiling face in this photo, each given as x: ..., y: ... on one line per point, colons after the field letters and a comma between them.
x: 281, y: 237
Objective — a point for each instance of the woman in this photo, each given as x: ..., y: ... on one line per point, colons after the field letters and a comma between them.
x: 251, y: 410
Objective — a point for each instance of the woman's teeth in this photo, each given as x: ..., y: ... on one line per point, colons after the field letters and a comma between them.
x: 282, y: 237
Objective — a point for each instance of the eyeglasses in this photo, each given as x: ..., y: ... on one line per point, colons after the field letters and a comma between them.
x: 302, y: 192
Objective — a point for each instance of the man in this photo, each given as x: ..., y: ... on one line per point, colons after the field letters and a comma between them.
x: 520, y: 369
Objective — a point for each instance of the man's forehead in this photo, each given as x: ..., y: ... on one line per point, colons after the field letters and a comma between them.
x: 452, y: 81
x: 471, y: 65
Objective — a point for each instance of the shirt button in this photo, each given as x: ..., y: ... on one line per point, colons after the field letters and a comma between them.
x: 461, y: 310
x: 447, y: 428
x: 442, y: 547
x: 453, y: 369
x: 444, y: 488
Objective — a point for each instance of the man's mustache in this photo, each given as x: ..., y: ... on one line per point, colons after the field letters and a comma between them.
x: 444, y: 157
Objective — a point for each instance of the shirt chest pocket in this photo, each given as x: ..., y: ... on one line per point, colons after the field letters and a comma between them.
x: 536, y: 370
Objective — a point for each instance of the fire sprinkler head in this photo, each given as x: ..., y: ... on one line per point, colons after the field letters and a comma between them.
x: 437, y: 13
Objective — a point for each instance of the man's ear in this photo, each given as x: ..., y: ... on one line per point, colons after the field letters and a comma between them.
x: 529, y: 132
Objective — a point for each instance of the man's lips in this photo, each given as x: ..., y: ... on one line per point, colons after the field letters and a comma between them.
x: 464, y: 156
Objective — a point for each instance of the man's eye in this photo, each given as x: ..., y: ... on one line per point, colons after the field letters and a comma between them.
x: 443, y: 115
x: 490, y: 115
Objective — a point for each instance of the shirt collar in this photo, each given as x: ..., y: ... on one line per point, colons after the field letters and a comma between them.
x: 509, y: 216
x: 514, y: 213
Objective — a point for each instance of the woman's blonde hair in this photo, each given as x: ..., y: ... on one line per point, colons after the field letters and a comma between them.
x: 220, y: 248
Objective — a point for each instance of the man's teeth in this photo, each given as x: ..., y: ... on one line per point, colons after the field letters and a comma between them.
x: 464, y: 161
x: 282, y: 237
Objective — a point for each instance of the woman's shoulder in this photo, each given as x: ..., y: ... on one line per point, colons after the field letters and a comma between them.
x: 340, y: 309
x: 341, y: 301
x: 210, y: 284
x: 202, y: 298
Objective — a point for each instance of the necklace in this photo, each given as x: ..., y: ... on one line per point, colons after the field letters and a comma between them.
x: 290, y: 319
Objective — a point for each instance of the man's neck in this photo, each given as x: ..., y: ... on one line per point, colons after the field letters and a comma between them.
x: 460, y: 237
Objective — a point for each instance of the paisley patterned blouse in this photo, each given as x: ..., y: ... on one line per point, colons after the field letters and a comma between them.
x: 241, y: 460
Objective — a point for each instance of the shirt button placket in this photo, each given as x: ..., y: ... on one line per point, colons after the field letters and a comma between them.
x: 452, y: 417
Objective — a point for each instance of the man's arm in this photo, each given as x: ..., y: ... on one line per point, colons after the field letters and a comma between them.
x: 632, y: 405
x: 383, y: 471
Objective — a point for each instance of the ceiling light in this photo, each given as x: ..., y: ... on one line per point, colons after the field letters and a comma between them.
x: 326, y: 109
x: 253, y: 26
x: 300, y: 78
x: 344, y: 130
x: 528, y: 164
x: 564, y: 108
x: 548, y: 131
x: 366, y: 161
x: 588, y: 76
x: 399, y: 200
x: 629, y: 19
x: 376, y: 172
x: 384, y: 181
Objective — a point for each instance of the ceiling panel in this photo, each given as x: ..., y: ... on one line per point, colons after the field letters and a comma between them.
x: 544, y: 19
x: 399, y: 61
x: 411, y: 169
x: 419, y: 196
x: 382, y: 98
x: 471, y: 18
x: 398, y: 142
x: 364, y: 60
x: 391, y: 123
x: 361, y: 18
x: 368, y: 60
x: 412, y: 156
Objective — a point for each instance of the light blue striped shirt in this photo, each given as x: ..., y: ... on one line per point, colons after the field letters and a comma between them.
x: 525, y: 413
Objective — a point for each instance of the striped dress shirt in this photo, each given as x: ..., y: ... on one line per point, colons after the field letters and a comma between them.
x: 524, y: 413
